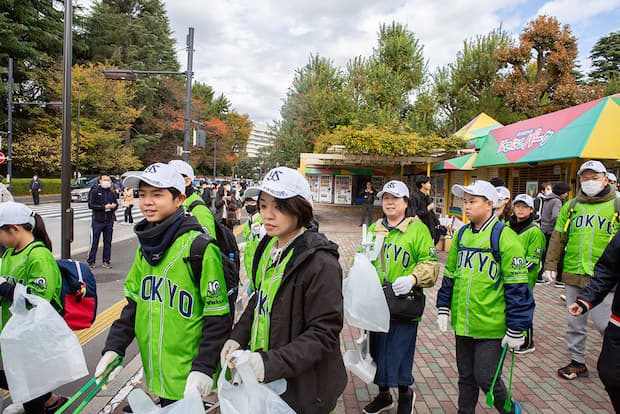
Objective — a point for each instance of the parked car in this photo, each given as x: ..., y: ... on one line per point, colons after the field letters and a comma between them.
x: 81, y: 189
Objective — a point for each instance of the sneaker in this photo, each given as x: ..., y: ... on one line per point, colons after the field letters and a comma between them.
x: 127, y: 409
x: 527, y: 350
x: 56, y: 406
x: 406, y: 401
x: 107, y: 265
x: 516, y: 407
x: 92, y: 265
x: 542, y: 282
x: 383, y: 401
x: 14, y: 409
x: 563, y: 297
x: 573, y: 370
x: 559, y: 284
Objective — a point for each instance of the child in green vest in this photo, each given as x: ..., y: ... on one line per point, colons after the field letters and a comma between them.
x: 489, y: 298
x: 28, y: 260
x: 534, y: 243
x: 179, y: 320
x: 253, y: 232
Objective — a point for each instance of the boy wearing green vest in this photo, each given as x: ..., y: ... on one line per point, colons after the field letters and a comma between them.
x: 180, y: 320
x: 534, y: 242
x: 487, y: 293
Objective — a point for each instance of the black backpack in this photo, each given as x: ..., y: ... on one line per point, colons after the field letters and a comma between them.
x: 226, y: 242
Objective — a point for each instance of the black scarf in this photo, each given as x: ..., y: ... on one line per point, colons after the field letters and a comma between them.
x: 519, y: 226
x: 155, y: 238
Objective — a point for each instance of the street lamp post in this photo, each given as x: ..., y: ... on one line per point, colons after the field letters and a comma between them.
x: 130, y: 74
x: 77, y: 136
x: 214, y: 157
x: 9, y: 141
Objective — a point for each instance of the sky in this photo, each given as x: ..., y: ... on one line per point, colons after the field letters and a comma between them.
x: 249, y: 50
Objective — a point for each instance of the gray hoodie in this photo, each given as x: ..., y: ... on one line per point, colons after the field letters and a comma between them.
x: 550, y: 211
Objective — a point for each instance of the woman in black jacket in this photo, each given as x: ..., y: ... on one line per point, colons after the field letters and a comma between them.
x: 292, y: 323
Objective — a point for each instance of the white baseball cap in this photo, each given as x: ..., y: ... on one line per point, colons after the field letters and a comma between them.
x: 282, y: 183
x: 158, y: 175
x: 612, y: 177
x: 15, y: 213
x: 477, y: 188
x: 502, y: 193
x: 593, y: 165
x: 396, y: 188
x: 524, y: 198
x: 182, y: 168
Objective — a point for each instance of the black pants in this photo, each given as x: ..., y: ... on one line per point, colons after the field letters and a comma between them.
x: 128, y: 216
x: 367, y: 214
x: 477, y: 361
x: 36, y: 406
x: 35, y: 197
x: 609, y: 364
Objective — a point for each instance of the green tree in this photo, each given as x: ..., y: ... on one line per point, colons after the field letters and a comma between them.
x: 605, y: 56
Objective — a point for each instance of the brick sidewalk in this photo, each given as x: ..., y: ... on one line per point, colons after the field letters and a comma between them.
x: 536, y: 384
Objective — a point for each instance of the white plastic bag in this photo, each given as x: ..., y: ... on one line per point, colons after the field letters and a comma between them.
x: 248, y: 396
x: 141, y: 403
x: 39, y: 351
x: 359, y: 361
x: 365, y: 306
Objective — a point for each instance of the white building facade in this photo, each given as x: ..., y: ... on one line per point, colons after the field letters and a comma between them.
x: 259, y: 137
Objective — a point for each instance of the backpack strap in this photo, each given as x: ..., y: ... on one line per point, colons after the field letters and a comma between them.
x: 196, y: 253
x: 459, y: 235
x: 571, y: 211
x: 496, y: 232
x: 195, y: 204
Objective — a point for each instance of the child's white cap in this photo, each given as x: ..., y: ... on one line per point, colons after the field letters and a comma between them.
x: 502, y: 193
x: 282, y: 183
x: 15, y: 213
x: 524, y: 198
x: 158, y: 175
x: 478, y: 188
x: 182, y: 168
x: 396, y: 188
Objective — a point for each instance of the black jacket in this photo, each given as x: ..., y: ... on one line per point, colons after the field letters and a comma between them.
x: 605, y: 279
x: 368, y: 197
x: 306, y: 321
x: 98, y: 197
x: 418, y: 206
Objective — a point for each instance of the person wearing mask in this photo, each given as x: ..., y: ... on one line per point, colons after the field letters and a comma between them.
x: 102, y: 201
x: 613, y: 182
x: 534, y: 243
x: 606, y: 277
x: 555, y: 196
x: 407, y: 261
x: 206, y: 194
x: 291, y: 326
x: 489, y: 298
x: 545, y: 189
x: 583, y: 231
x: 367, y: 194
x: 222, y: 198
x: 179, y: 320
x: 27, y: 260
x: 421, y: 205
x: 253, y: 232
x: 35, y: 188
x: 193, y: 203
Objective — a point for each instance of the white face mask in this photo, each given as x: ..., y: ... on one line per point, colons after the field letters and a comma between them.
x: 548, y: 192
x: 592, y: 188
x: 106, y: 184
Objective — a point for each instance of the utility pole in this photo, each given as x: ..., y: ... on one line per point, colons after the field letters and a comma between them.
x: 77, y: 135
x: 66, y: 218
x: 188, y: 92
x: 9, y: 153
x: 214, y: 159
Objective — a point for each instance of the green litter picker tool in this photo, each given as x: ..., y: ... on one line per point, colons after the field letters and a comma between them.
x: 490, y: 396
x: 111, y: 367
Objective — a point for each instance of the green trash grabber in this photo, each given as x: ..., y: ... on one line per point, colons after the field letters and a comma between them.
x: 116, y: 362
x: 490, y: 396
x: 508, y: 403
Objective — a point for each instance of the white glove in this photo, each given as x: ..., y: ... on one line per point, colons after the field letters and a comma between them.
x: 105, y: 360
x: 3, y: 280
x: 229, y: 346
x: 253, y: 359
x: 550, y: 275
x: 198, y: 381
x: 514, y: 339
x: 442, y: 319
x: 403, y: 285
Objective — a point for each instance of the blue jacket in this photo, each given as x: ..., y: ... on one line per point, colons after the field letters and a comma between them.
x: 97, y: 199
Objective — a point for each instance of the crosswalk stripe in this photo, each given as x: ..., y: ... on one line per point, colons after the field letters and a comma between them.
x: 80, y: 212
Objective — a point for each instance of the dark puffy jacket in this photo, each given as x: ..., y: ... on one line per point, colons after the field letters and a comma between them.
x: 605, y: 279
x: 306, y: 320
x: 418, y: 206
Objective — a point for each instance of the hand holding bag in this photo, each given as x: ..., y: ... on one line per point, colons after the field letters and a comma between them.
x: 39, y: 351
x: 403, y: 307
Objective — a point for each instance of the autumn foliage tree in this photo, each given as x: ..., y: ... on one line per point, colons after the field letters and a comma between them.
x: 539, y: 75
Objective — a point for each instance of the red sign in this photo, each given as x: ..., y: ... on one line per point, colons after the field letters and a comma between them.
x: 2, y: 158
